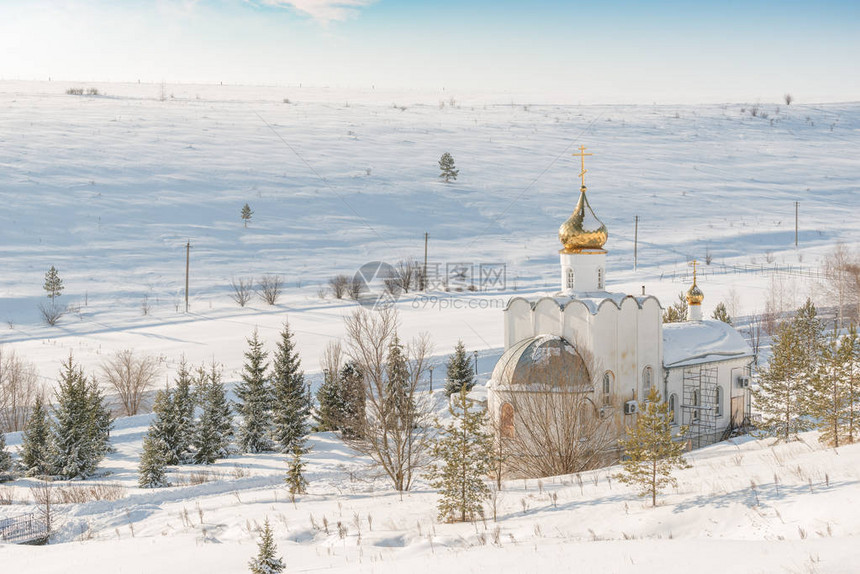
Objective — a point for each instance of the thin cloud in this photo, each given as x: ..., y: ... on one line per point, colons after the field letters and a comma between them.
x: 324, y: 11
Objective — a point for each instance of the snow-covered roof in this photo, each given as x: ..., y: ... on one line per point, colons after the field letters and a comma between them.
x: 696, y: 342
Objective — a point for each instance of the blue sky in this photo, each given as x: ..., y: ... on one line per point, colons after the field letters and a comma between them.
x: 565, y: 51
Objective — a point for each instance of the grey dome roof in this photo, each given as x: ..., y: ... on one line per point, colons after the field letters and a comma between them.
x: 542, y: 362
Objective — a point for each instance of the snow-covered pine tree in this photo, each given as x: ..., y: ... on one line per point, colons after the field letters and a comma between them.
x: 254, y: 404
x: 677, y: 313
x: 291, y: 404
x: 266, y: 562
x: 81, y: 427
x: 53, y: 284
x: 35, y: 443
x: 5, y: 455
x: 214, y: 431
x: 781, y: 394
x: 182, y: 404
x: 460, y: 371
x: 296, y: 482
x: 464, y: 450
x: 163, y: 426
x: 651, y: 452
x: 328, y: 415
x: 153, y: 460
x: 446, y: 165
x: 399, y: 404
x: 721, y: 313
x: 246, y: 214
x: 810, y: 331
x: 353, y: 400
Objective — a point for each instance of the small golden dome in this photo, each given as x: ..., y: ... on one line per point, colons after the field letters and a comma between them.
x: 694, y: 294
x: 582, y: 230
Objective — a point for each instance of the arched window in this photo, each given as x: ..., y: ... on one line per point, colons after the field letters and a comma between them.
x: 695, y: 405
x: 600, y: 277
x: 608, y: 379
x: 646, y: 382
x: 507, y: 422
x: 719, y: 406
x: 570, y: 278
x: 673, y: 401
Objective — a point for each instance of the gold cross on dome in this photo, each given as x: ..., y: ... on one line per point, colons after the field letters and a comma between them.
x: 582, y: 155
x: 694, y: 263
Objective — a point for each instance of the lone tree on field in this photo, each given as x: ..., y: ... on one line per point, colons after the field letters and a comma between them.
x: 460, y: 371
x: 464, y: 450
x: 246, y: 214
x: 53, y: 284
x: 446, y: 164
x: 650, y: 450
x: 266, y: 562
x: 788, y: 99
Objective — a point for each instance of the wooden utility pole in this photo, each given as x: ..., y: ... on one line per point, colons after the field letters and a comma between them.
x: 635, y: 242
x: 187, y: 268
x: 796, y: 210
x: 426, y: 239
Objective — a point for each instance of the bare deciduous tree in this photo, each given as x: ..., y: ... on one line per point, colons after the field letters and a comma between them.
x: 841, y: 283
x: 554, y: 423
x: 45, y: 498
x: 19, y: 387
x: 241, y: 290
x: 405, y: 277
x: 754, y: 331
x: 270, y: 288
x: 131, y: 377
x: 395, y: 431
x: 354, y: 287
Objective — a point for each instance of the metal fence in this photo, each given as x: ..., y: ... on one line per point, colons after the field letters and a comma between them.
x: 23, y: 529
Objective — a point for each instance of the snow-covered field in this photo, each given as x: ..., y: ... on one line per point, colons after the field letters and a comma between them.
x: 110, y: 188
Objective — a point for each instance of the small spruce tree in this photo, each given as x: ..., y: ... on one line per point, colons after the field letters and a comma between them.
x: 80, y: 433
x: 353, y: 400
x: 266, y: 562
x: 5, y: 456
x: 35, y: 445
x: 214, y: 431
x: 153, y: 461
x: 246, y: 214
x: 53, y: 284
x: 163, y: 428
x: 296, y: 482
x: 446, y: 165
x: 331, y: 403
x: 291, y: 394
x: 254, y: 404
x: 721, y: 313
x: 182, y: 405
x: 460, y: 371
x: 650, y: 451
x: 398, y: 402
x: 464, y: 450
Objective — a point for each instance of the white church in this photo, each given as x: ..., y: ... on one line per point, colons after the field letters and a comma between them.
x: 700, y: 367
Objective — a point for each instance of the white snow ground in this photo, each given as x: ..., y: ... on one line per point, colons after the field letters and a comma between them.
x: 110, y: 188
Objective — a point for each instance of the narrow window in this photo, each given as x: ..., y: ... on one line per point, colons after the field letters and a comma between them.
x: 570, y: 279
x: 673, y: 399
x: 600, y: 277
x: 695, y: 410
x: 719, y: 406
x: 507, y: 423
x: 607, y: 387
x: 646, y: 382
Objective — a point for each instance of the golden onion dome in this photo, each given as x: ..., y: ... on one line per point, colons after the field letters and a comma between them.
x: 694, y: 294
x: 582, y: 230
